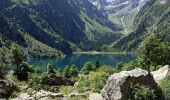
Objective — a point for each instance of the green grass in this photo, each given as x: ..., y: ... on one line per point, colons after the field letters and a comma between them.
x: 165, y: 86
x: 66, y: 89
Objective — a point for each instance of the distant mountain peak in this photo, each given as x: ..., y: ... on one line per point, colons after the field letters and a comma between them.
x: 164, y: 1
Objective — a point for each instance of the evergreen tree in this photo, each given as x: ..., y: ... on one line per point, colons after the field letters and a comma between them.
x: 50, y: 69
x: 66, y: 72
x: 153, y: 52
x: 73, y: 71
x: 18, y: 55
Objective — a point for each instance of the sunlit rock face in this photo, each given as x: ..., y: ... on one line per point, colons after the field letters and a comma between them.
x: 164, y: 1
x: 118, y: 86
x: 117, y: 5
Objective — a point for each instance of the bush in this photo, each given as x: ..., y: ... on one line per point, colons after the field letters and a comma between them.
x: 73, y: 71
x: 88, y: 66
x: 70, y: 72
x: 143, y: 92
x: 82, y: 84
x: 50, y: 69
x: 22, y: 71
x: 35, y: 81
x: 107, y: 69
x: 97, y: 80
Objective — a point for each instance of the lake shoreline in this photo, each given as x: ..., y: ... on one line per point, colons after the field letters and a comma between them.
x: 95, y: 52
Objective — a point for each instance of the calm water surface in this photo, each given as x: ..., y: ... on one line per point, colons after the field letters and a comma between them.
x: 80, y: 59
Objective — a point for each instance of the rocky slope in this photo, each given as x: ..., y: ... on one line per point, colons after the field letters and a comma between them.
x: 65, y: 25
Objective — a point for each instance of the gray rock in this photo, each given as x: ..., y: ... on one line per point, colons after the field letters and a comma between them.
x: 96, y: 96
x: 24, y: 96
x: 57, y: 95
x: 162, y: 73
x: 42, y: 94
x: 75, y: 94
x: 118, y: 84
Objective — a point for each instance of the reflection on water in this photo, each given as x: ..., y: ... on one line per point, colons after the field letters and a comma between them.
x: 80, y: 59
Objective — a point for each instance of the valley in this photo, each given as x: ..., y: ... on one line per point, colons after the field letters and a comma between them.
x: 85, y: 49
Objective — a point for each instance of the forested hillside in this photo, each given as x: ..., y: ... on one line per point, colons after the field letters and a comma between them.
x: 67, y: 25
x: 153, y: 18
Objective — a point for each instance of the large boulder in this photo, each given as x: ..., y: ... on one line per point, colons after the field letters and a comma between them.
x: 118, y: 86
x: 162, y: 73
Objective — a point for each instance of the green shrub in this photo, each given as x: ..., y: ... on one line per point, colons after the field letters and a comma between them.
x: 97, y: 80
x: 35, y: 81
x: 107, y: 69
x: 143, y: 92
x: 50, y: 69
x: 82, y: 84
x: 88, y: 66
x: 71, y: 71
x: 23, y: 70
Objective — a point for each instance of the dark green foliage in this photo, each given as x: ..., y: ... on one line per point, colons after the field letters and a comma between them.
x: 66, y: 72
x: 71, y: 71
x: 8, y: 87
x: 142, y: 92
x: 23, y: 71
x: 18, y: 55
x: 50, y: 69
x: 88, y: 66
x: 74, y: 71
x: 97, y: 63
x: 35, y: 81
x: 153, y: 52
x: 119, y: 66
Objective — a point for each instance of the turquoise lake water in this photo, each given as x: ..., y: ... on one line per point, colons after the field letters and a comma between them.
x: 80, y: 59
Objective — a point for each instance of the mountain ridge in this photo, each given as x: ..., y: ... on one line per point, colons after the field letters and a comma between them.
x: 67, y: 29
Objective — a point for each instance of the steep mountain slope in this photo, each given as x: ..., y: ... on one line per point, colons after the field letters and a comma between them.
x: 122, y: 12
x: 65, y: 25
x: 154, y: 17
